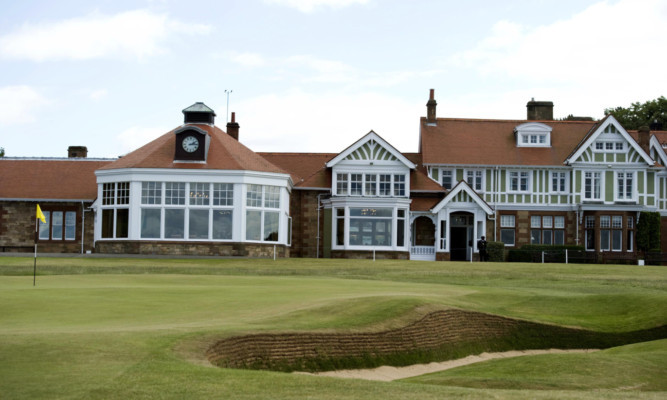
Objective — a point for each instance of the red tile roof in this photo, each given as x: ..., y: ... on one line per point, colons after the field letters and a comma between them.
x: 224, y: 153
x: 54, y: 179
x: 308, y: 170
x: 492, y: 142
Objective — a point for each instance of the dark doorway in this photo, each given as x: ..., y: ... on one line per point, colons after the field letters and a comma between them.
x: 458, y: 241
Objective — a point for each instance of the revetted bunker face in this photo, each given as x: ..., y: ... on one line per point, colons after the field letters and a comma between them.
x: 438, y: 336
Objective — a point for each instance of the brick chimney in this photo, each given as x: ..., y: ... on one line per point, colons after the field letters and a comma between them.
x: 430, y: 108
x: 77, y: 152
x: 233, y: 127
x: 644, y: 138
x: 540, y: 110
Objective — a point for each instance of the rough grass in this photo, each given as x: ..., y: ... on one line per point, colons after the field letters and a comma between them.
x: 133, y: 328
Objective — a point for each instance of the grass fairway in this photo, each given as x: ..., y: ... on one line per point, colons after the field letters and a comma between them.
x: 137, y: 328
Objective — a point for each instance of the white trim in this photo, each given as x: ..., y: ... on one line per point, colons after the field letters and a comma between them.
x: 462, y: 186
x: 371, y: 136
x: 600, y: 129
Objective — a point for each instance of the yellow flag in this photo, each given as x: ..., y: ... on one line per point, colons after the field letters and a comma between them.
x: 40, y: 215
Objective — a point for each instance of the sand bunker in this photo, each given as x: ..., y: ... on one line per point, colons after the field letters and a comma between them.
x: 387, y: 374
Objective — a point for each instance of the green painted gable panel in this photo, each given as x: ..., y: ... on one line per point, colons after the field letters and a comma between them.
x: 434, y: 173
x: 650, y: 183
x: 599, y: 157
x: 609, y: 186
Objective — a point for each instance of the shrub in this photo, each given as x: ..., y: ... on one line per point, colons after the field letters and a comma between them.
x: 496, y: 251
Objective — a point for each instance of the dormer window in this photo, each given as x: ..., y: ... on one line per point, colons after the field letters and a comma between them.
x: 533, y: 134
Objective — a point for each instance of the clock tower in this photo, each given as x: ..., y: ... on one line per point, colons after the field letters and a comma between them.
x: 192, y: 141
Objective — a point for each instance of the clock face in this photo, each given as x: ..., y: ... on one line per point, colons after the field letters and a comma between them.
x: 190, y: 144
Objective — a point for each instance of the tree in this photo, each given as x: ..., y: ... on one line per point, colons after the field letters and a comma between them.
x: 653, y: 114
x: 648, y: 231
x: 2, y: 151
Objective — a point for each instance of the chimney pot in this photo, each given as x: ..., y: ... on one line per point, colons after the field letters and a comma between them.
x: 540, y: 110
x: 233, y: 127
x: 430, y: 108
x: 77, y: 152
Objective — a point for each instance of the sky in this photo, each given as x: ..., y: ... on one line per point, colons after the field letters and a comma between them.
x: 311, y: 75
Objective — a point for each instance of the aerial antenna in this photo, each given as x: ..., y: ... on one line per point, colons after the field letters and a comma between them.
x: 227, y: 114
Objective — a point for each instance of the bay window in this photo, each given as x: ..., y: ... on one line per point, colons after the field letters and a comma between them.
x: 371, y: 227
x: 115, y: 209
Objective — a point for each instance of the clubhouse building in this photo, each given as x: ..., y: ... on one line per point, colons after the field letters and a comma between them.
x: 197, y: 190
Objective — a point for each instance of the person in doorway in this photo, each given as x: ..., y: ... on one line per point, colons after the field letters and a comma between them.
x: 481, y: 247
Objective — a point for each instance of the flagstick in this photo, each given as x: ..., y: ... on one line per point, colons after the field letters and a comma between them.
x: 34, y: 269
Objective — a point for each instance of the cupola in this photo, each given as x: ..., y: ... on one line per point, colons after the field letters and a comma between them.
x: 199, y: 113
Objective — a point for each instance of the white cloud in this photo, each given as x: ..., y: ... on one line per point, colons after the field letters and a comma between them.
x: 326, y: 122
x: 605, y: 42
x: 98, y: 94
x: 308, y: 6
x: 600, y: 57
x: 325, y: 70
x: 137, y: 33
x: 20, y: 104
x: 247, y: 59
x: 134, y: 137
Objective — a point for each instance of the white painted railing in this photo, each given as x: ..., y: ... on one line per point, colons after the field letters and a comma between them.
x: 422, y: 250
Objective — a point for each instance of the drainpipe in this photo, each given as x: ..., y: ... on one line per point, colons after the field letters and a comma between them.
x: 317, y: 237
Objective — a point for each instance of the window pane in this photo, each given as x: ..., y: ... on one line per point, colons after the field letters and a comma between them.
x: 507, y: 236
x: 44, y: 226
x: 559, y: 222
x: 150, y: 223
x: 151, y: 193
x: 271, y: 220
x: 446, y: 179
x: 604, y: 239
x: 223, y: 194
x: 108, y: 193
x: 399, y: 185
x: 174, y: 193
x: 198, y: 224
x: 605, y: 221
x: 174, y: 223
x: 630, y: 240
x: 559, y: 237
x: 547, y: 222
x: 385, y: 185
x: 199, y: 194
x: 371, y: 185
x: 400, y: 233
x: 253, y: 228
x: 590, y: 239
x: 535, y: 221
x: 341, y: 184
x: 123, y: 193
x: 340, y: 230
x: 535, y: 235
x: 107, y: 224
x: 371, y: 212
x: 507, y: 221
x: 272, y: 196
x: 254, y: 196
x: 122, y: 222
x: 57, y: 226
x: 355, y: 184
x: 616, y: 240
x: 222, y: 224
x: 546, y: 237
x: 617, y: 221
x: 70, y: 225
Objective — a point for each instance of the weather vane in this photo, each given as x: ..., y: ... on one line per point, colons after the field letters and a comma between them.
x: 228, y: 91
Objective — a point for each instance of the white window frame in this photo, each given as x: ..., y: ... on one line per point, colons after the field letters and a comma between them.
x: 529, y: 179
x: 599, y: 179
x: 559, y: 175
x: 506, y: 224
x: 346, y: 217
x: 623, y: 196
x: 452, y: 175
x: 476, y: 173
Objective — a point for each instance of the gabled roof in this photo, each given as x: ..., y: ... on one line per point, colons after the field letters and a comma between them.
x: 599, y: 129
x: 49, y: 179
x: 371, y: 147
x: 463, y: 186
x: 492, y: 142
x: 658, y: 142
x: 224, y: 153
